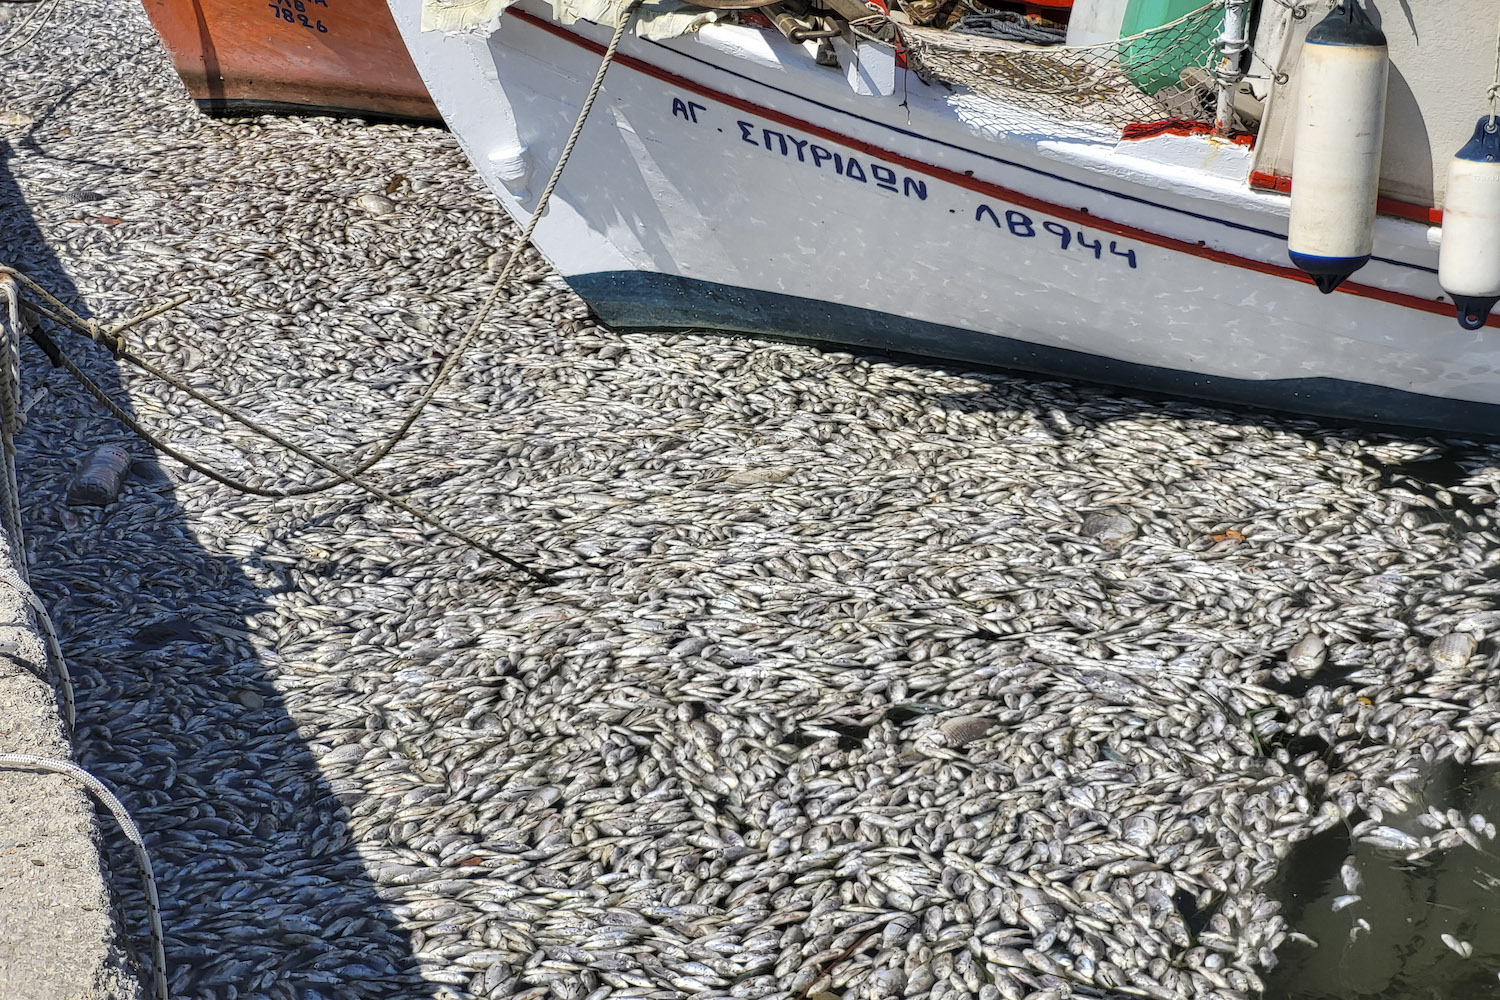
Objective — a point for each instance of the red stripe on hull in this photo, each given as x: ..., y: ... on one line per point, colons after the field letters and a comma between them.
x: 984, y: 187
x: 1385, y: 206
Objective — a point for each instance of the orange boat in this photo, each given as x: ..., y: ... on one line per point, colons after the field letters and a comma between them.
x: 339, y: 57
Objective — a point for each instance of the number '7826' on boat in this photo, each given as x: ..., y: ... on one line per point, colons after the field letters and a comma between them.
x: 1116, y: 211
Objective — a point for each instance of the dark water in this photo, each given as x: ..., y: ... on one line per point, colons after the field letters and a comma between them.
x: 1407, y: 905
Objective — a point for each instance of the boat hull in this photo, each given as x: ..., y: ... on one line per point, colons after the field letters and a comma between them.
x: 642, y: 300
x: 337, y: 57
x: 727, y: 183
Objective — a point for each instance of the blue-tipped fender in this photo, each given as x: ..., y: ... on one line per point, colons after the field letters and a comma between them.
x: 1469, y: 262
x: 1336, y: 151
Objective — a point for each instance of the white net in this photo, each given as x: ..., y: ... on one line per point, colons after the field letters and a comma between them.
x: 1157, y: 75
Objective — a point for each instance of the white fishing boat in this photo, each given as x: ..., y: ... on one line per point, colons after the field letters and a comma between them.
x: 1117, y: 212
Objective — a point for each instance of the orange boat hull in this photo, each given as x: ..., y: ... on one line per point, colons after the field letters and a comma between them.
x: 341, y: 57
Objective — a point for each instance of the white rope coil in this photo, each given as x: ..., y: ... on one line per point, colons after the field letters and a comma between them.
x: 132, y: 833
x: 1010, y: 27
x: 12, y: 574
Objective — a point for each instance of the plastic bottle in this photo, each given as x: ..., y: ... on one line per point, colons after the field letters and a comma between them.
x: 98, y: 481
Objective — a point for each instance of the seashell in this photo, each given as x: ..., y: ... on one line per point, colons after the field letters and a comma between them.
x: 375, y: 204
x: 964, y: 729
x: 1452, y: 651
x: 1109, y: 529
x: 1307, y: 656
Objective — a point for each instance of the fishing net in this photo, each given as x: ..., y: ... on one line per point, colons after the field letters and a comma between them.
x: 1164, y: 73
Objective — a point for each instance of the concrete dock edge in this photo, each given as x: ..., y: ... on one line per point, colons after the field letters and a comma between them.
x: 58, y: 935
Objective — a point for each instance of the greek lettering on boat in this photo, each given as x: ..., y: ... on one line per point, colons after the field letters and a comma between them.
x: 843, y: 164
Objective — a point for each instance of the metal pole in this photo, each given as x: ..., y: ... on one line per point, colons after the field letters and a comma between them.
x: 1231, y: 69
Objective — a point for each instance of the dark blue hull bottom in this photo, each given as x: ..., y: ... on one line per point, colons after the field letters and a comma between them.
x: 632, y: 299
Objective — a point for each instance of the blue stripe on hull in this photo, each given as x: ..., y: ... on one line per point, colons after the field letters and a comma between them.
x: 1315, y: 264
x: 641, y: 300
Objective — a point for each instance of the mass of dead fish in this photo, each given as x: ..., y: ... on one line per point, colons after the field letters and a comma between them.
x: 859, y: 678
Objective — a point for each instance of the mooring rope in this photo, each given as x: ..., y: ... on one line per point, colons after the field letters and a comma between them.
x: 13, y: 574
x: 10, y: 411
x: 13, y: 579
x: 132, y: 833
x: 54, y: 309
x: 40, y: 14
x: 112, y: 338
x: 1494, y: 90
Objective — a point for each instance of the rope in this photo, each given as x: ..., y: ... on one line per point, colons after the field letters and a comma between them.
x: 1010, y: 27
x: 10, y: 413
x: 58, y: 312
x: 1296, y: 10
x: 1228, y: 71
x: 132, y: 833
x: 40, y: 15
x: 62, y: 314
x: 1494, y: 91
x: 13, y: 574
x: 135, y: 426
x: 11, y: 578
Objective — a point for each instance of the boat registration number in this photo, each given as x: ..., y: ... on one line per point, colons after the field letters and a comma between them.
x: 1018, y: 223
x: 845, y: 164
x: 297, y: 12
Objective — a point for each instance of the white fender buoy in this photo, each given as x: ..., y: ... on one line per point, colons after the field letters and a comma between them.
x: 1469, y: 261
x: 1336, y: 152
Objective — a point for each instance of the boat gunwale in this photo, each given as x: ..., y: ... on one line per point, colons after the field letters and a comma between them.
x: 999, y: 192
